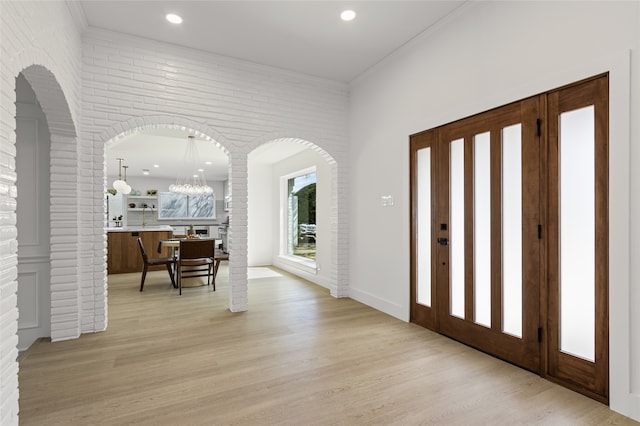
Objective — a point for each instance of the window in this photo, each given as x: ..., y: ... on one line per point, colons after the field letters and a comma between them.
x: 298, y: 228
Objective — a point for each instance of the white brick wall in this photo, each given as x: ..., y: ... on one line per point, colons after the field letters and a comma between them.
x: 42, y: 41
x: 132, y: 84
x: 127, y: 85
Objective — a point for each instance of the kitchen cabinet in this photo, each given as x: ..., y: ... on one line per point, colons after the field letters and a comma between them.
x: 123, y: 254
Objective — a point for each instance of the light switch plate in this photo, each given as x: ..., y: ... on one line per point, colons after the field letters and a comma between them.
x: 386, y: 200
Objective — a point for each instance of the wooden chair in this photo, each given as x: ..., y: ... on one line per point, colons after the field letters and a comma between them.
x: 219, y: 257
x: 169, y: 262
x: 195, y: 253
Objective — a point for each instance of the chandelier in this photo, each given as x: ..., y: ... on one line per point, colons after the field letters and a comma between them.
x: 191, y: 179
x: 120, y: 184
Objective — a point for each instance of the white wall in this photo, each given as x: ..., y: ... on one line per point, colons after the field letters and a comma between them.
x: 262, y: 207
x: 485, y: 55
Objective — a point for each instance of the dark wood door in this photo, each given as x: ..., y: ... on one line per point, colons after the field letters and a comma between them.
x: 487, y: 224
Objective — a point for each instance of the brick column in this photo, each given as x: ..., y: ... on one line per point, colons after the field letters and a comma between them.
x: 238, y: 177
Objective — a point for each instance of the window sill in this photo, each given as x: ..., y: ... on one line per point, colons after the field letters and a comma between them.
x: 299, y: 263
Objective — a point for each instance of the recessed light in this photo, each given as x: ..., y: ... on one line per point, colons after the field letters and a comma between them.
x: 201, y: 170
x: 173, y: 18
x: 145, y: 171
x: 348, y: 15
x: 156, y: 165
x: 208, y: 163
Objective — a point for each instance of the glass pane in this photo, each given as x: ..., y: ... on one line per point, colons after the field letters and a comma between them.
x: 512, y: 230
x: 301, y: 217
x: 482, y: 228
x: 423, y: 290
x: 456, y: 212
x: 577, y: 233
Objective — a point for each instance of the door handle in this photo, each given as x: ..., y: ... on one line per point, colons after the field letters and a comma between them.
x: 443, y: 241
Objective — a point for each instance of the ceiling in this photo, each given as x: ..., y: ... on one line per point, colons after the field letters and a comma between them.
x: 302, y: 36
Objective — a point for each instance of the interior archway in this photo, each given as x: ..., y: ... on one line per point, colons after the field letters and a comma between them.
x: 153, y: 155
x: 55, y: 193
x: 267, y: 164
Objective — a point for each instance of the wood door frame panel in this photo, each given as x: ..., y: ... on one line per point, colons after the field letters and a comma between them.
x: 525, y: 351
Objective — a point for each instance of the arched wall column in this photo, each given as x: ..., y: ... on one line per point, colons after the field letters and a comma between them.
x: 238, y: 226
x: 65, y: 289
x: 41, y: 40
x: 64, y: 281
x: 65, y: 245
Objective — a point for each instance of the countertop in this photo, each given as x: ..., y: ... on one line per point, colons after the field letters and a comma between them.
x: 140, y: 228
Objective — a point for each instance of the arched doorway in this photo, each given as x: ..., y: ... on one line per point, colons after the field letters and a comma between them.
x: 33, y: 143
x: 153, y: 155
x: 53, y: 247
x: 270, y: 165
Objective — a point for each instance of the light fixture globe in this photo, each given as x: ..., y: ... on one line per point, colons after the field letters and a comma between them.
x: 126, y: 190
x: 119, y: 185
x: 189, y: 181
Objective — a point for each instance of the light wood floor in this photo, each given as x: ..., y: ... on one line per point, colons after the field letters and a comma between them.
x: 297, y: 357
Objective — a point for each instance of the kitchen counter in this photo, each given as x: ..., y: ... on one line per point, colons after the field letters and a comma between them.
x: 140, y: 228
x: 123, y: 253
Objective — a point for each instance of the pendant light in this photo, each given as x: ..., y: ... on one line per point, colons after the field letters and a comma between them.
x: 127, y: 189
x: 119, y: 184
x: 191, y: 180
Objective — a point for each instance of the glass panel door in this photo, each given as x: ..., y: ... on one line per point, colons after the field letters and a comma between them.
x: 488, y: 211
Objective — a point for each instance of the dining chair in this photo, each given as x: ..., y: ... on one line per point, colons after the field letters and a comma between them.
x: 197, y: 255
x: 169, y: 262
x: 219, y: 257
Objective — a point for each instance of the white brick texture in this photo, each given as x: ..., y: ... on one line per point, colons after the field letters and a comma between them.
x: 100, y: 86
x: 41, y: 41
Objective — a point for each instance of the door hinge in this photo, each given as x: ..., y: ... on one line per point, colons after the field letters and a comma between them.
x: 538, y: 127
x: 539, y: 231
x: 539, y: 334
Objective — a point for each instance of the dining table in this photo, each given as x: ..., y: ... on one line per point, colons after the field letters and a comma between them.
x: 174, y: 243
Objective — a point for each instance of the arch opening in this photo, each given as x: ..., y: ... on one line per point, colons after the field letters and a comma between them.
x: 280, y: 230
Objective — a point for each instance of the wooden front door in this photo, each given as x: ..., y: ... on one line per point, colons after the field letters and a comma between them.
x: 486, y: 249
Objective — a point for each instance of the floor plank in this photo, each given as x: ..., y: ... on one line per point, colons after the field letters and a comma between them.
x: 298, y: 356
